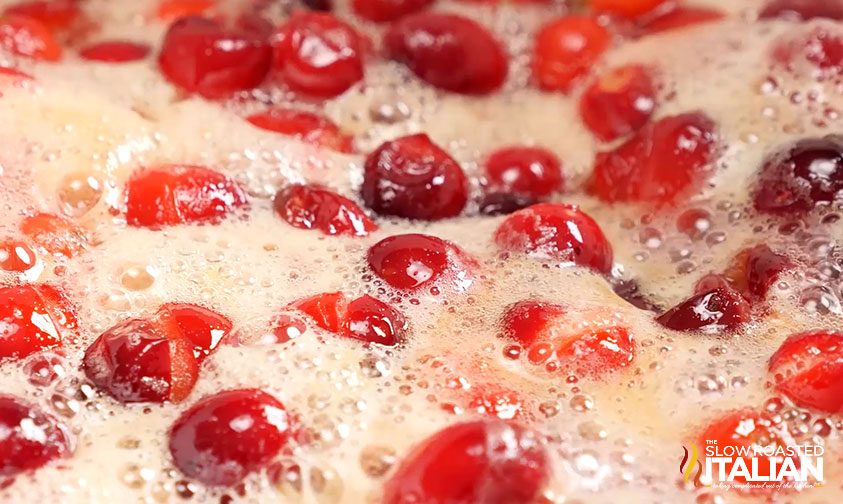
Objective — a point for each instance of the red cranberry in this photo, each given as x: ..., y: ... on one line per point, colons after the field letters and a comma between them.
x: 557, y: 232
x: 202, y: 56
x: 314, y: 207
x: 801, y: 176
x: 317, y: 54
x: 694, y: 222
x: 202, y: 327
x: 54, y: 14
x: 618, y: 102
x: 33, y: 318
x: 115, y: 51
x: 503, y: 203
x: 28, y: 37
x: 168, y: 195
x: 763, y: 267
x: 381, y: 11
x: 448, y: 51
x: 319, y: 5
x: 820, y: 50
x: 373, y: 321
x: 661, y: 161
x: 16, y: 256
x: 55, y: 234
x: 176, y: 9
x: 30, y: 438
x: 530, y: 171
x: 681, y: 17
x: 720, y: 309
x: 566, y: 49
x: 410, y: 261
x: 808, y: 369
x: 326, y: 310
x: 412, y: 177
x: 626, y: 8
x: 803, y: 10
x: 306, y: 126
x: 224, y: 437
x: 488, y: 461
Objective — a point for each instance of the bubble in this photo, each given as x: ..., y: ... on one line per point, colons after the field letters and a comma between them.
x: 137, y: 277
x: 581, y: 402
x: 326, y: 484
x: 135, y: 476
x: 376, y: 460
x: 592, y: 431
x: 79, y: 192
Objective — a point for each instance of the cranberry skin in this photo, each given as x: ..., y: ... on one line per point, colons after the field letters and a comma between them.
x: 803, y: 10
x: 657, y: 164
x: 306, y: 126
x: 566, y: 49
x: 55, y: 234
x: 524, y: 321
x: 450, y: 52
x: 33, y: 318
x: 201, y: 56
x: 412, y: 177
x: 503, y: 203
x: 381, y: 11
x: 16, y: 256
x: 489, y: 461
x: 54, y: 14
x: 115, y: 51
x: 763, y: 268
x: 175, y: 9
x: 808, y: 369
x: 796, y: 179
x: 533, y: 172
x: 28, y: 37
x: 224, y: 437
x: 30, y: 438
x: 720, y: 309
x: 556, y: 232
x: 314, y: 207
x: 318, y: 54
x: 618, y: 102
x: 169, y: 195
x: 373, y: 321
x: 629, y: 9
x: 205, y: 329
x: 681, y: 17
x: 410, y: 261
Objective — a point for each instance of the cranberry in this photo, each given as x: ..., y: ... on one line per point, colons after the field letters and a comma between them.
x: 54, y: 14
x: 285, y: 328
x: 819, y: 52
x: 203, y: 327
x: 448, y: 51
x: 489, y: 461
x: 720, y: 309
x: 306, y: 126
x: 55, y: 234
x: 524, y: 322
x: 326, y: 310
x: 28, y: 37
x: 566, y: 49
x: 14, y: 75
x: 533, y: 172
x: 410, y: 261
x: 681, y: 17
x: 168, y: 195
x: 373, y: 321
x: 115, y: 51
x: 319, y: 5
x: 318, y: 54
x: 801, y: 176
x: 314, y: 207
x: 556, y: 232
x: 30, y: 439
x: 808, y: 369
x: 661, y: 161
x: 503, y: 203
x: 202, y: 56
x: 618, y: 102
x: 803, y: 10
x: 16, y: 256
x: 381, y: 11
x: 175, y: 9
x: 414, y: 178
x: 626, y: 8
x: 694, y: 223
x: 33, y: 318
x: 224, y: 437
x: 761, y: 268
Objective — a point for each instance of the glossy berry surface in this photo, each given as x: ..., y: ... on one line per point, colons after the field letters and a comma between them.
x: 306, y: 126
x: 450, y: 52
x: 365, y: 318
x: 174, y: 9
x: 556, y: 232
x: 414, y: 178
x: 29, y: 438
x: 533, y: 172
x: 808, y: 369
x: 410, y: 261
x: 802, y: 10
x: 682, y: 17
x: 168, y: 195
x: 115, y: 51
x: 618, y: 102
x: 54, y: 14
x: 488, y: 461
x: 722, y: 308
x: 626, y: 8
x: 381, y: 11
x: 566, y: 49
x: 224, y: 437
x: 33, y: 318
x: 28, y: 37
x: 315, y: 207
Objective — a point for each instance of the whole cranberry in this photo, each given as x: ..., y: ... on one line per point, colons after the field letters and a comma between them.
x: 29, y: 438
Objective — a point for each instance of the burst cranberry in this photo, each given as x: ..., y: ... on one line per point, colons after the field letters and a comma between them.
x: 661, y: 161
x: 318, y: 54
x: 326, y: 310
x: 30, y: 438
x: 203, y: 327
x: 202, y: 56
x: 752, y: 272
x: 33, y: 318
x: 808, y: 369
x: 448, y: 51
x: 365, y: 318
x: 525, y: 321
x: 410, y: 261
x: 306, y: 126
x: 801, y: 176
x: 167, y: 195
x: 618, y: 102
x: 488, y: 461
x: 115, y: 51
x: 16, y: 256
x: 682, y: 17
x: 54, y: 14
x: 175, y: 9
x: 412, y: 177
x: 314, y: 207
x: 803, y: 10
x: 28, y: 37
x: 503, y: 203
x: 55, y: 234
x: 556, y: 232
x: 381, y: 11
x: 626, y: 8
x: 224, y: 437
x: 530, y: 171
x: 720, y: 309
x: 566, y: 49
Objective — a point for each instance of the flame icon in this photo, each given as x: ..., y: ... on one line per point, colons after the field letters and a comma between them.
x: 690, y: 460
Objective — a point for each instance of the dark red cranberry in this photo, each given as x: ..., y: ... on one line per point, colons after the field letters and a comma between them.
x: 798, y: 178
x: 661, y: 161
x: 533, y: 172
x: 720, y: 309
x: 556, y: 232
x: 410, y: 261
x: 489, y: 461
x: 314, y: 207
x: 29, y: 438
x: 318, y: 54
x: 115, y: 51
x: 808, y: 369
x: 566, y: 49
x: 202, y: 56
x: 630, y: 291
x: 33, y: 318
x: 503, y: 203
x: 381, y: 11
x: 224, y: 437
x: 373, y: 321
x: 319, y: 5
x: 803, y: 10
x: 414, y: 178
x: 763, y: 268
x: 202, y: 327
x: 618, y: 102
